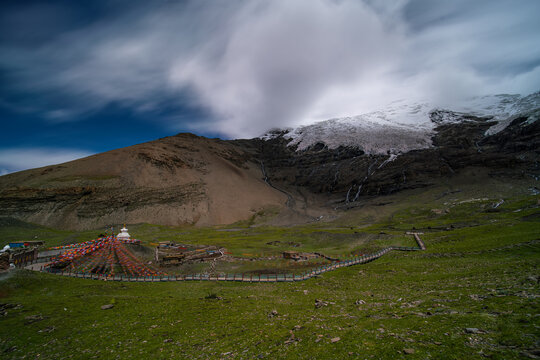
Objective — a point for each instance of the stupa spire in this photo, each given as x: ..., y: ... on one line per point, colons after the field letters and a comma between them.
x: 123, y: 235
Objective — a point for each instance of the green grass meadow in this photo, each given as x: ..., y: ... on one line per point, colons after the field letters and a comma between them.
x: 479, y: 272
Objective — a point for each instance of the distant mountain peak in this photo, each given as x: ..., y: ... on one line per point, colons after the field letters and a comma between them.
x: 401, y: 127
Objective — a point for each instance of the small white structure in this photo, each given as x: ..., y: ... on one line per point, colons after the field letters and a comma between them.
x: 124, y: 235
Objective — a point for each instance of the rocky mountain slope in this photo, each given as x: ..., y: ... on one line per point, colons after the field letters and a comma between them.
x: 403, y: 126
x: 300, y: 174
x: 184, y: 179
x: 346, y: 174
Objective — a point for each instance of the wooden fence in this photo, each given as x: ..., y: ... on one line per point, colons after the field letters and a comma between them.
x: 243, y: 277
x: 248, y: 277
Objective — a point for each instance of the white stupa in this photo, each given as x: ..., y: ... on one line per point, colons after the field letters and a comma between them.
x: 123, y: 235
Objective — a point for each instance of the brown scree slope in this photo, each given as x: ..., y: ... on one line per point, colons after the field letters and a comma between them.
x: 183, y: 179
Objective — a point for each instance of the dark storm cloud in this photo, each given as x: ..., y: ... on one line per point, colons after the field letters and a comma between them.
x: 254, y: 65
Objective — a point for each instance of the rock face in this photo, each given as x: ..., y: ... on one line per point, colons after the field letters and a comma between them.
x: 186, y: 179
x: 462, y: 143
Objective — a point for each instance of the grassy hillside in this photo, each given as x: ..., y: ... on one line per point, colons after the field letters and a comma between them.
x: 479, y: 272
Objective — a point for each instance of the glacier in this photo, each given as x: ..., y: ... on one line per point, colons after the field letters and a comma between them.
x: 402, y: 126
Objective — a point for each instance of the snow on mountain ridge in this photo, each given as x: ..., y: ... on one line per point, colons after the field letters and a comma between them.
x: 401, y: 127
x: 507, y: 108
x: 373, y: 137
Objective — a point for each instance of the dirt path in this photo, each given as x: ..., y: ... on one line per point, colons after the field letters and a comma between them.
x: 35, y: 267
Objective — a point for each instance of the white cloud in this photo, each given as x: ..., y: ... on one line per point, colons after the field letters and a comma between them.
x: 17, y: 159
x: 281, y: 58
x: 262, y: 64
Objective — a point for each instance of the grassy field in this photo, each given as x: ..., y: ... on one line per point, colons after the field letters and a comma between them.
x: 472, y: 294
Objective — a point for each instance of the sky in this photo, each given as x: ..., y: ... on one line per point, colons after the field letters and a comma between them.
x: 83, y: 77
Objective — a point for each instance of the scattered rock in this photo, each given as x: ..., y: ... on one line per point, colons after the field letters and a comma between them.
x: 335, y: 340
x: 167, y: 340
x: 213, y: 297
x: 11, y: 349
x: 47, y: 329
x: 359, y: 302
x: 320, y: 303
x: 438, y: 211
x: 408, y: 351
x: 273, y: 313
x: 10, y: 306
x: 108, y: 306
x: 32, y: 319
x: 5, y: 307
x: 531, y: 354
x: 306, y: 292
x: 153, y: 326
x: 291, y: 339
x: 474, y: 331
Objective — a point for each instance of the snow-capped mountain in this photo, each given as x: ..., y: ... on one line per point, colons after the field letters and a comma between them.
x: 373, y: 137
x: 401, y: 127
x: 187, y: 179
